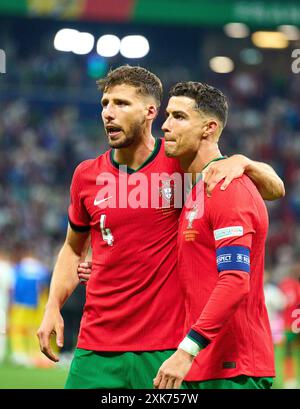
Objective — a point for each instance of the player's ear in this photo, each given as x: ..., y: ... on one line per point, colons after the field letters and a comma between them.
x: 210, y: 129
x: 151, y: 111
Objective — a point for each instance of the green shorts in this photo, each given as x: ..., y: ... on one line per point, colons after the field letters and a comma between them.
x: 136, y: 370
x: 238, y: 382
x: 114, y: 370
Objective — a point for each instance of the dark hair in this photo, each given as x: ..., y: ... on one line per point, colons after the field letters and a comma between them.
x: 209, y: 100
x: 146, y: 82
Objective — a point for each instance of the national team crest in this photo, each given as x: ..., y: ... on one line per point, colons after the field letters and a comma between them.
x: 167, y: 190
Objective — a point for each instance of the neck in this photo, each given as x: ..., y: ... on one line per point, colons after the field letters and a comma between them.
x: 207, y: 152
x: 136, y: 154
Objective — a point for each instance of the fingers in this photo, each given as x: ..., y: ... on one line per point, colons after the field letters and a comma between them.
x: 206, y: 174
x: 177, y: 383
x: 163, y: 383
x: 59, y: 329
x: 166, y: 382
x: 86, y: 265
x: 83, y: 276
x: 226, y: 182
x: 213, y: 177
x: 44, y: 340
x: 156, y: 380
x: 209, y: 188
x: 170, y: 383
x: 84, y: 270
x: 212, y: 183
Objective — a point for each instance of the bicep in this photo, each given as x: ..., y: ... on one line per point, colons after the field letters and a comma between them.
x: 268, y: 183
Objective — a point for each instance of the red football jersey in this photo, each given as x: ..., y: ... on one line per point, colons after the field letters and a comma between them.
x: 134, y: 301
x: 225, y: 234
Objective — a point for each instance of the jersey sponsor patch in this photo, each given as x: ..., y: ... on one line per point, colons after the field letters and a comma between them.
x: 231, y: 231
x: 233, y: 258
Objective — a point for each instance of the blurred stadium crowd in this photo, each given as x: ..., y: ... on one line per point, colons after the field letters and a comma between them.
x: 40, y: 148
x: 48, y: 125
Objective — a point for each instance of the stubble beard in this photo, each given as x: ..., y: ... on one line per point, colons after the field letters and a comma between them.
x: 132, y: 136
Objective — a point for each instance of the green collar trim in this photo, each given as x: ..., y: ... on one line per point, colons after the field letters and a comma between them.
x: 200, y: 175
x: 214, y: 160
x: 150, y: 158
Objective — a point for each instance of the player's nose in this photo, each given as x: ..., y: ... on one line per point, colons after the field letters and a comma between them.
x: 108, y: 113
x: 165, y: 126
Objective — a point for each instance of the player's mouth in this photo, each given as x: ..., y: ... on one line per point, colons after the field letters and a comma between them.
x: 113, y: 131
x: 170, y: 141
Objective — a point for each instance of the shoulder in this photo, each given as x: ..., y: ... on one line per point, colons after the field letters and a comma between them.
x: 239, y: 197
x: 89, y: 165
x: 83, y: 166
x: 241, y: 188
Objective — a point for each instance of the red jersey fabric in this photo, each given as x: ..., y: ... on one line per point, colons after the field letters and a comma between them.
x: 133, y: 301
x: 225, y: 311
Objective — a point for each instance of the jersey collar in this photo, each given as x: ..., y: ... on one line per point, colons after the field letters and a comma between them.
x: 150, y: 158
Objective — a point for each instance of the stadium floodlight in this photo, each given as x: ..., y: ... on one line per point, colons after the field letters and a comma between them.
x: 292, y: 33
x: 64, y: 39
x: 221, y: 64
x: 108, y: 45
x: 236, y: 30
x: 83, y: 44
x: 269, y: 39
x: 134, y: 46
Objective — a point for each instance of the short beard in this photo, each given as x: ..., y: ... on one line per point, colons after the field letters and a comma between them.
x: 132, y: 137
x: 121, y: 144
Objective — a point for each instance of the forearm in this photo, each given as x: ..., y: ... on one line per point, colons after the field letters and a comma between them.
x: 268, y: 183
x: 64, y: 278
x: 230, y: 290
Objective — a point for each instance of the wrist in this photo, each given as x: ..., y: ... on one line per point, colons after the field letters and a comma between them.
x: 190, y: 347
x: 186, y: 356
x: 52, y: 305
x: 246, y: 162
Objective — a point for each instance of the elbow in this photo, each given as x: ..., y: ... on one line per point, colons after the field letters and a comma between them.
x: 238, y: 281
x: 281, y: 190
x: 277, y: 193
x: 244, y: 283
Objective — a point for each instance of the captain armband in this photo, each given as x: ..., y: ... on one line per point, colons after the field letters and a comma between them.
x: 233, y: 258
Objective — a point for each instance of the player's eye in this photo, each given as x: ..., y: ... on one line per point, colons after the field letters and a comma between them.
x: 178, y: 116
x: 121, y: 103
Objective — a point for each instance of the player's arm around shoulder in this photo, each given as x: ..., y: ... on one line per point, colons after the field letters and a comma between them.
x: 268, y: 183
x: 64, y: 281
x: 232, y: 193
